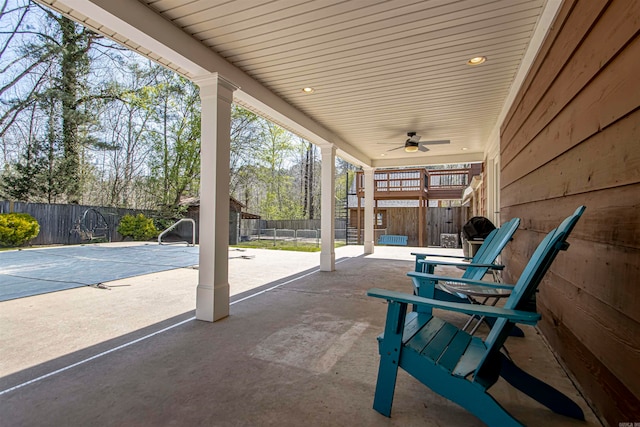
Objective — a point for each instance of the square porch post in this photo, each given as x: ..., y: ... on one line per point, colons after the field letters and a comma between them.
x: 328, y: 211
x: 369, y: 189
x: 212, y: 294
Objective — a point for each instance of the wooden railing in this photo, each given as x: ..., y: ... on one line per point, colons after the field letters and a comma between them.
x: 419, y: 183
x: 400, y: 184
x: 448, y: 183
x: 448, y: 178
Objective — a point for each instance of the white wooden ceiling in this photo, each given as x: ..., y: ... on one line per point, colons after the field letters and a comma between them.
x: 379, y: 68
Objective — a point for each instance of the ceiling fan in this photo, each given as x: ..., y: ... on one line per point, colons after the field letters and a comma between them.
x: 413, y: 144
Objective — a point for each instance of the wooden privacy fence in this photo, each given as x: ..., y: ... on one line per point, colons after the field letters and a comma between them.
x: 60, y: 224
x: 445, y: 221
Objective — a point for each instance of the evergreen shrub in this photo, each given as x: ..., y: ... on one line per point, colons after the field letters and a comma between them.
x: 138, y: 227
x: 17, y: 228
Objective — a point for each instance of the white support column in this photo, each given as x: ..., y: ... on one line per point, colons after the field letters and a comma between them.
x: 212, y: 295
x: 328, y: 208
x: 369, y: 237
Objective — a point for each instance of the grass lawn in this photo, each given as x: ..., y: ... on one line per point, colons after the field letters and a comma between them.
x: 282, y: 245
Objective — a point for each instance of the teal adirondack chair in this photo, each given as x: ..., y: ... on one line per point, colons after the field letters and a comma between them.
x: 482, y: 262
x: 457, y: 365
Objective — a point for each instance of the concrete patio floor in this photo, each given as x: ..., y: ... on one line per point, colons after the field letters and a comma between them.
x: 298, y: 348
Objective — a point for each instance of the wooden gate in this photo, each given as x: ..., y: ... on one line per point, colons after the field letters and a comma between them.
x: 445, y: 221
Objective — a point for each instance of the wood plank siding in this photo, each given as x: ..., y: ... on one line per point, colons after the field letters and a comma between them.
x: 572, y: 137
x: 445, y: 221
x: 400, y: 221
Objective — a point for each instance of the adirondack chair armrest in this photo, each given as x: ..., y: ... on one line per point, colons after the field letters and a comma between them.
x: 417, y: 254
x: 515, y: 316
x: 462, y: 264
x: 436, y: 278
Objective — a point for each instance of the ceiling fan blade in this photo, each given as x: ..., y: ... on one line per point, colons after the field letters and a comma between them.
x: 441, y: 141
x: 394, y: 130
x: 397, y: 148
x: 423, y: 148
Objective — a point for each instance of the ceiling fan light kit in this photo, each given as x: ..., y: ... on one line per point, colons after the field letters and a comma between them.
x: 411, y: 147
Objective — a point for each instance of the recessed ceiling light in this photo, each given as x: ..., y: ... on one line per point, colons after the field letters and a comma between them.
x: 464, y: 148
x: 308, y: 90
x: 477, y: 60
x: 383, y: 154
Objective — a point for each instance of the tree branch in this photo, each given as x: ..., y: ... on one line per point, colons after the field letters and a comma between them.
x: 8, y: 42
x: 19, y: 77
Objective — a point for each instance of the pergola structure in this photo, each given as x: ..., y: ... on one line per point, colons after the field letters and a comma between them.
x: 544, y: 92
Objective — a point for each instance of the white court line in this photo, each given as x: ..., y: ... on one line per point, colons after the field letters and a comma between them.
x: 120, y: 347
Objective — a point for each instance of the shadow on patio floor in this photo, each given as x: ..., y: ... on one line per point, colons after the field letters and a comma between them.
x: 303, y: 352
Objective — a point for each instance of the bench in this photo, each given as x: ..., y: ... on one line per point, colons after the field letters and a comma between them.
x: 392, y: 239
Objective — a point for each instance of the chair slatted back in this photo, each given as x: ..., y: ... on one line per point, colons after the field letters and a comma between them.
x: 502, y: 236
x: 487, y: 253
x: 531, y: 276
x: 477, y: 258
x: 482, y: 256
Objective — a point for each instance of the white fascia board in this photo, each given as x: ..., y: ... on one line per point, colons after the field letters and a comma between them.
x: 422, y: 160
x: 143, y: 26
x: 138, y: 23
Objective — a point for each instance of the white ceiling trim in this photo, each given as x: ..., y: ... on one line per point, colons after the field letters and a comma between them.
x: 421, y: 160
x: 135, y: 25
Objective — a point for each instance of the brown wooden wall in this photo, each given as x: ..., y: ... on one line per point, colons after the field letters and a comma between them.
x: 404, y: 222
x: 400, y: 221
x: 445, y: 220
x: 572, y: 137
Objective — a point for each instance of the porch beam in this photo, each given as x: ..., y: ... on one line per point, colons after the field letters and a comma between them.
x: 212, y: 293
x: 328, y: 209
x: 369, y: 190
x: 421, y: 161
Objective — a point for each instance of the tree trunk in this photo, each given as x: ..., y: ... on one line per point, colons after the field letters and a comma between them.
x: 305, y: 179
x: 69, y: 91
x: 312, y: 162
